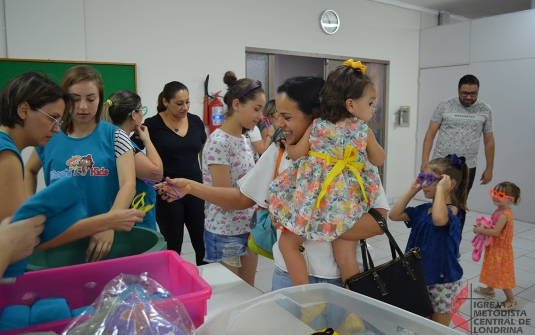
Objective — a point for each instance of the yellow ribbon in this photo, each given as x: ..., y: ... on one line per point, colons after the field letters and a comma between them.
x: 356, y: 65
x: 350, y: 155
x: 139, y: 203
x: 110, y: 103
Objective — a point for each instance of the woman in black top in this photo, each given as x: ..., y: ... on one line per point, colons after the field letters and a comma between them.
x: 179, y: 139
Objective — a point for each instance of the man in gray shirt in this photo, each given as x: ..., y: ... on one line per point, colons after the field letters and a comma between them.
x: 460, y: 122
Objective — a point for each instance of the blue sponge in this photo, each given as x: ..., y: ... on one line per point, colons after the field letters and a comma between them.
x: 13, y: 317
x: 159, y: 296
x: 79, y: 311
x: 49, y: 309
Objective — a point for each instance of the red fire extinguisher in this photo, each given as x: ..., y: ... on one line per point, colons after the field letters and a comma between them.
x: 215, y: 112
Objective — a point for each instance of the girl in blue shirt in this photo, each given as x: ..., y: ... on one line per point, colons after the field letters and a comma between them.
x: 436, y: 228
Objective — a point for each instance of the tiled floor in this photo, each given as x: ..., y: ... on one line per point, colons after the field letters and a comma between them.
x: 476, y: 310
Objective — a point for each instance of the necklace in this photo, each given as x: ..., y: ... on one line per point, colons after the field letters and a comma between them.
x: 170, y: 121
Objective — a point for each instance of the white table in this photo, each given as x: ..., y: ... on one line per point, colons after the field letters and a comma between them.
x: 228, y: 290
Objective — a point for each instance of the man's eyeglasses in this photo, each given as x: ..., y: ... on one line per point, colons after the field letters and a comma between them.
x: 58, y: 123
x: 427, y: 177
x: 472, y: 94
x: 144, y: 110
x: 499, y: 195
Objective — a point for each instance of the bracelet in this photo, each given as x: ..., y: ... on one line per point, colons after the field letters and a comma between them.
x: 270, y: 136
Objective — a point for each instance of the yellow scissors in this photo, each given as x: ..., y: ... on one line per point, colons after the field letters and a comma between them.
x: 139, y: 203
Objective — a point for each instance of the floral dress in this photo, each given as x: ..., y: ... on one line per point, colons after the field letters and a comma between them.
x: 498, y: 269
x: 320, y: 196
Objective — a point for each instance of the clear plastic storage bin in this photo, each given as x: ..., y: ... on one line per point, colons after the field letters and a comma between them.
x: 309, y: 308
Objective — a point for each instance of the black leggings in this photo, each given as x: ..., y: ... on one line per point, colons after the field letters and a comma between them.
x: 171, y: 217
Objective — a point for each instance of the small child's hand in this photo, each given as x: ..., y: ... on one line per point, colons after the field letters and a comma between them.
x: 415, y: 186
x: 274, y: 222
x: 445, y: 183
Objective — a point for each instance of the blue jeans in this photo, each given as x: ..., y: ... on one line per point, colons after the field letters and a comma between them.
x: 281, y: 279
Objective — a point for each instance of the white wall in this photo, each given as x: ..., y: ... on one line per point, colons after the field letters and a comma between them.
x: 186, y: 40
x: 500, y: 51
x: 3, y: 48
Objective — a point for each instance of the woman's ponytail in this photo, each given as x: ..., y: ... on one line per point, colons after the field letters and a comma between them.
x: 160, y: 107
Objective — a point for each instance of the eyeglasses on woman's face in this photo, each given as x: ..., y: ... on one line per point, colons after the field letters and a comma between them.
x: 144, y: 110
x: 57, y: 122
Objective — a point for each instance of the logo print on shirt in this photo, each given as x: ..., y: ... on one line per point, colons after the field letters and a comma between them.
x: 80, y: 166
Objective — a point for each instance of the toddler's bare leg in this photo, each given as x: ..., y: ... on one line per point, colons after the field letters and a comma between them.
x: 345, y: 253
x: 289, y: 244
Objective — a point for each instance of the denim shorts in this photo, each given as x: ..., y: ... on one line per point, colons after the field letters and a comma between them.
x: 221, y: 247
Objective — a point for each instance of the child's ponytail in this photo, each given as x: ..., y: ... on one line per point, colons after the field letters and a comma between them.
x: 461, y: 193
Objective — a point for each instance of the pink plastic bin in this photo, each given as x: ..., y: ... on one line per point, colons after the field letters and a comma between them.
x: 166, y: 267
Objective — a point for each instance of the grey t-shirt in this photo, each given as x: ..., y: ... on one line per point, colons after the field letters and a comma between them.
x: 461, y: 128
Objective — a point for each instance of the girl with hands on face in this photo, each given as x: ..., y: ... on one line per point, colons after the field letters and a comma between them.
x: 124, y: 109
x: 436, y: 228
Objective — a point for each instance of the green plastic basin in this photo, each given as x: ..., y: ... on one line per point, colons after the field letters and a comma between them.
x: 137, y: 241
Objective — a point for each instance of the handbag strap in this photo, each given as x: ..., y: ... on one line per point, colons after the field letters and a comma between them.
x: 382, y: 223
x: 279, y: 158
x: 366, y: 256
x: 364, y: 246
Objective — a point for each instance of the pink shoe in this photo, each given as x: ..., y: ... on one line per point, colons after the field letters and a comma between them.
x: 476, y: 255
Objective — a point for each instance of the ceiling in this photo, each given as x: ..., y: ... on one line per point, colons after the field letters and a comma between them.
x: 471, y: 9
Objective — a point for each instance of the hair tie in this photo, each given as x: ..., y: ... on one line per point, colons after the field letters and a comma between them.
x: 254, y: 85
x: 458, y: 161
x: 356, y: 65
x: 110, y: 103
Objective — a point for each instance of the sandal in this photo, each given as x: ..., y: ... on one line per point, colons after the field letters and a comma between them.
x: 503, y: 307
x: 485, y: 291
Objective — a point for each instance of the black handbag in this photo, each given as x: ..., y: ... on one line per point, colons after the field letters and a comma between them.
x: 399, y: 282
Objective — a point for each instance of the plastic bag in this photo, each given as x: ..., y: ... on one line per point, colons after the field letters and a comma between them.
x: 133, y: 305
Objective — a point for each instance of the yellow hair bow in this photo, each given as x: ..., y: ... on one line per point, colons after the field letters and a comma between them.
x: 110, y: 103
x: 356, y: 65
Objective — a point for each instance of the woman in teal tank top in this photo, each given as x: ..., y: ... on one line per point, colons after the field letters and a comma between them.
x: 31, y: 107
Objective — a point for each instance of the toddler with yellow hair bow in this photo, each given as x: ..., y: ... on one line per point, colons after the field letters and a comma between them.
x: 330, y: 186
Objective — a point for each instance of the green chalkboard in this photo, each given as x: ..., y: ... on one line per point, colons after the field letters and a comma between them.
x: 116, y: 76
